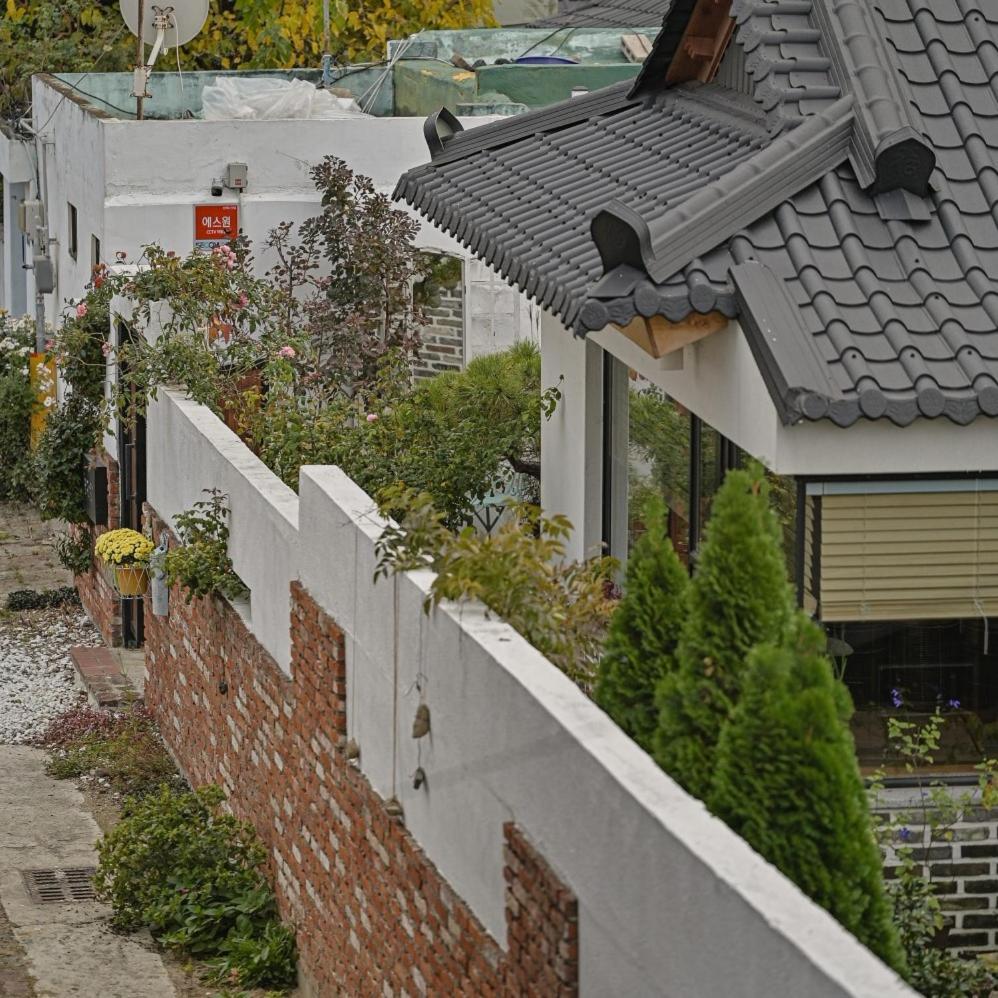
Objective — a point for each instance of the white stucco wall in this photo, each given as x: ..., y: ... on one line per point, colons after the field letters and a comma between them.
x: 188, y: 450
x: 671, y: 902
x: 16, y: 174
x: 137, y: 182
x: 572, y: 439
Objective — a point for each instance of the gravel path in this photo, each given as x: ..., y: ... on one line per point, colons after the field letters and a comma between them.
x: 36, y: 674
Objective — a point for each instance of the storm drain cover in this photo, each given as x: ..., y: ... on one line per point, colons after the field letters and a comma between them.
x: 62, y: 886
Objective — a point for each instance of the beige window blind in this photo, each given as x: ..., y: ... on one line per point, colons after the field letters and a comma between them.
x: 909, y: 556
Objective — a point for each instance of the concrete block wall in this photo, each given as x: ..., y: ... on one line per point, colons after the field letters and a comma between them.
x: 962, y: 863
x: 443, y: 336
x: 641, y: 881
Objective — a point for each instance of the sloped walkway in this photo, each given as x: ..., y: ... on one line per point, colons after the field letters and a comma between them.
x: 67, y: 948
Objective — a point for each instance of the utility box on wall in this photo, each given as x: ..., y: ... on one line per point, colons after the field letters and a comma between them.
x: 96, y: 488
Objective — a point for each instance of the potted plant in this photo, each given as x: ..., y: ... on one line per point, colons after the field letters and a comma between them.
x: 126, y: 553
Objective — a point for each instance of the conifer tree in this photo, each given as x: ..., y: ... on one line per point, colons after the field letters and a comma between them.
x: 787, y: 782
x: 644, y: 631
x: 739, y: 597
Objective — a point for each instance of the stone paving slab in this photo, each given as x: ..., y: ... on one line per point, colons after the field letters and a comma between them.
x: 68, y: 948
x: 99, y: 673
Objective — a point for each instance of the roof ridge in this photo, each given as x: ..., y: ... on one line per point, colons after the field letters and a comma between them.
x: 546, y: 119
x: 794, y: 371
x: 795, y: 159
x: 887, y: 151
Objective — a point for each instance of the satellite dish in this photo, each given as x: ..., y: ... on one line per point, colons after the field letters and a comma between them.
x: 163, y: 24
x: 179, y: 20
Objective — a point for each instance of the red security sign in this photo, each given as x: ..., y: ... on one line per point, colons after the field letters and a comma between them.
x: 215, y: 224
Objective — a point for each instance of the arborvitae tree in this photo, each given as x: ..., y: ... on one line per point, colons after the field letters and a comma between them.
x: 787, y: 782
x: 644, y: 631
x: 739, y: 598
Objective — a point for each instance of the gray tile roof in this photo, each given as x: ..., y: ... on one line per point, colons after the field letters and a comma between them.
x: 860, y: 297
x: 606, y: 14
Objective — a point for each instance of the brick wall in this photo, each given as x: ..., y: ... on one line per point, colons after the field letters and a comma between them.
x: 97, y: 595
x: 373, y: 914
x: 964, y: 871
x: 443, y: 337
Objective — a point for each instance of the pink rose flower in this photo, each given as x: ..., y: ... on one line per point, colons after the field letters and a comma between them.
x: 372, y: 417
x: 243, y: 299
x: 105, y: 348
x: 287, y: 352
x: 81, y: 310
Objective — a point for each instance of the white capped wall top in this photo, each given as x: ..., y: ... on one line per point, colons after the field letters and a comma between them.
x: 183, y: 19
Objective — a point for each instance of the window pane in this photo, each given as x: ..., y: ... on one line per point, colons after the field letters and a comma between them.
x: 658, y: 460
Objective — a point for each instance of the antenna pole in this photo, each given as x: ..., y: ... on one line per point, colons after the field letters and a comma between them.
x: 327, y: 59
x: 140, y: 61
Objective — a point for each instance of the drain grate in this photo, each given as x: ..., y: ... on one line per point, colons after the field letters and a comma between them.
x: 60, y: 886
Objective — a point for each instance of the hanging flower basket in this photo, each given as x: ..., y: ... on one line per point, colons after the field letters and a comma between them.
x: 124, y: 556
x: 131, y: 580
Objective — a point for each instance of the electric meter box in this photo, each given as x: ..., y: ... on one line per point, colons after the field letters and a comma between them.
x: 31, y: 217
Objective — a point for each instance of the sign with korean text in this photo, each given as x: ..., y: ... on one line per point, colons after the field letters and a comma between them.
x: 215, y: 224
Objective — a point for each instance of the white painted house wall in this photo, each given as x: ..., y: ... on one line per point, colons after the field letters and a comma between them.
x: 671, y: 902
x: 17, y: 173
x: 718, y: 379
x: 136, y: 182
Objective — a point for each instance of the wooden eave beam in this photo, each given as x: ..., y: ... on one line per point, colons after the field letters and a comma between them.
x: 658, y: 336
x: 704, y: 41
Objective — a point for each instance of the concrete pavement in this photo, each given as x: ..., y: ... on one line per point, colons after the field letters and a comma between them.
x: 67, y: 948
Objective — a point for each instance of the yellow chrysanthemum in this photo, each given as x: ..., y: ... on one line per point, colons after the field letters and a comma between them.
x: 123, y: 547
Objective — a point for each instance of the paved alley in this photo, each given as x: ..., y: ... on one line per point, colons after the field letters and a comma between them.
x: 67, y: 948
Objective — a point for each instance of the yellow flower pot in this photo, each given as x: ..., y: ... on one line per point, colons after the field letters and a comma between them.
x: 131, y: 580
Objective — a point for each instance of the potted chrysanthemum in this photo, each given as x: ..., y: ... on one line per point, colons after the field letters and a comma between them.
x: 126, y: 553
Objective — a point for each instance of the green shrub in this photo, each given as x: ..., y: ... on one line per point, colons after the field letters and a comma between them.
x: 787, y: 782
x: 178, y: 864
x: 76, y: 550
x: 201, y: 565
x: 127, y: 752
x: 72, y: 431
x: 519, y: 571
x: 17, y: 403
x: 935, y: 972
x: 644, y: 631
x: 46, y: 599
x: 739, y: 598
x: 256, y: 960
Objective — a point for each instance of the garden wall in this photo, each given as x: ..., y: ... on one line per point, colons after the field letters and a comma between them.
x: 522, y: 844
x: 964, y: 869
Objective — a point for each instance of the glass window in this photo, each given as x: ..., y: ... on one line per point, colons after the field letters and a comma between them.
x: 911, y: 668
x: 658, y: 460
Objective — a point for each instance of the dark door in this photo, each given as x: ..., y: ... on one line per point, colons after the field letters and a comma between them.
x: 132, y: 494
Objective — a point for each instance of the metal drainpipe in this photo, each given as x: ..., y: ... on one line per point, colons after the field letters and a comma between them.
x: 696, y: 444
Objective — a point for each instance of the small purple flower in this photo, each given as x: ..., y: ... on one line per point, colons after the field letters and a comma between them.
x: 954, y: 704
x: 904, y: 834
x: 896, y: 698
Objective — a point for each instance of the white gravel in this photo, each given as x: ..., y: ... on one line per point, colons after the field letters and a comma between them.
x: 36, y: 674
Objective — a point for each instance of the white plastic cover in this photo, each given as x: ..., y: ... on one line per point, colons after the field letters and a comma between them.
x: 266, y: 98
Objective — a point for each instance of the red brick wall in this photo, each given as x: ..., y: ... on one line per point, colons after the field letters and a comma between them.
x: 97, y: 595
x: 547, y: 960
x: 373, y: 914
